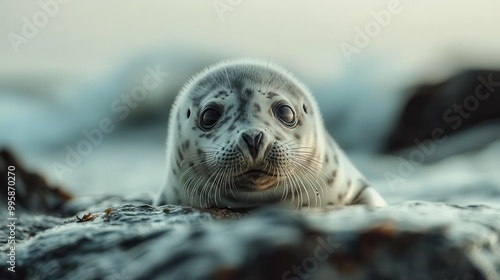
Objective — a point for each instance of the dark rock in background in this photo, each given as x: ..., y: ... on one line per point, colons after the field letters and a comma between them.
x: 33, y: 194
x: 466, y: 100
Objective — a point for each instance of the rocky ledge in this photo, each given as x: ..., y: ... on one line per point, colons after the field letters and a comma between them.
x: 60, y: 237
x: 414, y: 240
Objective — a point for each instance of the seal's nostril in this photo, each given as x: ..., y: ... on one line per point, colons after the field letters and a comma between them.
x: 248, y: 139
x: 253, y: 143
x: 258, y: 139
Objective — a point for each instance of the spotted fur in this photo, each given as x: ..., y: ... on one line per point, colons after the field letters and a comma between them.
x: 245, y: 134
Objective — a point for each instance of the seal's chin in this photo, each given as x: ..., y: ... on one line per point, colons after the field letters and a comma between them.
x: 255, y: 180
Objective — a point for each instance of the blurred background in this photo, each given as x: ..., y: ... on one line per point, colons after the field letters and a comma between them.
x: 410, y: 89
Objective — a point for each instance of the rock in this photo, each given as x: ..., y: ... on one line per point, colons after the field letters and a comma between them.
x: 466, y: 100
x: 112, y: 237
x: 32, y: 193
x: 413, y: 240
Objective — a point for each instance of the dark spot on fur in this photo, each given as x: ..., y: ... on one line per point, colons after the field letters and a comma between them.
x: 331, y: 203
x: 327, y: 159
x: 199, y: 152
x: 297, y: 136
x: 256, y: 107
x: 221, y: 94
x: 243, y: 100
x: 249, y: 92
x: 356, y: 199
x: 271, y: 95
x: 224, y: 120
x: 188, y: 114
x: 207, y: 135
x: 237, y: 84
x: 185, y: 145
x: 180, y: 155
x: 330, y: 180
x: 191, y: 164
x: 240, y: 117
x: 304, y: 108
x: 340, y: 196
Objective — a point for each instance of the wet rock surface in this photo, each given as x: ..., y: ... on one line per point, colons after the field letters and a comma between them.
x: 113, y: 237
x: 413, y: 240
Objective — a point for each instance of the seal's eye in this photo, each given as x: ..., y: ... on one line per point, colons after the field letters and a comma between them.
x: 285, y: 114
x: 209, y: 117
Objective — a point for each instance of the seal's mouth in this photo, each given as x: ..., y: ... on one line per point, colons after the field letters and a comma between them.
x: 255, y: 180
x: 257, y: 173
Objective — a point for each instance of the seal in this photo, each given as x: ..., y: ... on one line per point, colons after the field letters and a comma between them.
x: 246, y: 133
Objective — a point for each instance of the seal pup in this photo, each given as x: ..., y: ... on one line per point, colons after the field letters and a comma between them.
x: 246, y: 133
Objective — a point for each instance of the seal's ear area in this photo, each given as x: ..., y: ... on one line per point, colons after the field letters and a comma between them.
x: 369, y: 196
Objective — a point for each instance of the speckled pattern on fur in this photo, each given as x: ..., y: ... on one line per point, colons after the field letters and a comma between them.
x: 245, y: 133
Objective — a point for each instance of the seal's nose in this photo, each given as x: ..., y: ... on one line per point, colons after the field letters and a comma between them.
x: 254, y: 143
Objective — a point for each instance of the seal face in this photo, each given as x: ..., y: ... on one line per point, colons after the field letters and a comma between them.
x: 245, y: 134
